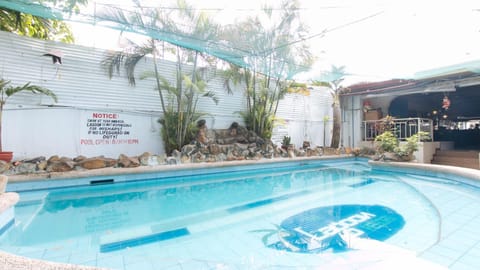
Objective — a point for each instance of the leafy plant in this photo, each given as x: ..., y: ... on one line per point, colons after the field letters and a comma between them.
x: 22, y: 23
x: 286, y: 142
x: 411, y: 145
x: 7, y: 91
x: 270, y: 62
x: 178, y: 99
x: 386, y: 142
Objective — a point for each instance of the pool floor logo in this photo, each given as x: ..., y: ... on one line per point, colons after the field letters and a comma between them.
x: 324, y: 228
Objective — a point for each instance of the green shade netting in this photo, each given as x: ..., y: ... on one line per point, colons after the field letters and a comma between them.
x: 266, y: 60
x: 32, y: 7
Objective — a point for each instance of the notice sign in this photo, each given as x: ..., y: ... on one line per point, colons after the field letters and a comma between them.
x: 107, y: 128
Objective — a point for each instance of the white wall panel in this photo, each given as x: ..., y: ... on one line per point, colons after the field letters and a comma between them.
x: 34, y: 125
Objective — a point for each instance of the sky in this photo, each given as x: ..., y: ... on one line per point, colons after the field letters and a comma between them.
x: 374, y: 39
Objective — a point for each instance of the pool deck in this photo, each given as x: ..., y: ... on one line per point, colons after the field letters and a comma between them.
x: 13, y: 262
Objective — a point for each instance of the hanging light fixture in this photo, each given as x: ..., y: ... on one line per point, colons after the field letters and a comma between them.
x: 445, y: 103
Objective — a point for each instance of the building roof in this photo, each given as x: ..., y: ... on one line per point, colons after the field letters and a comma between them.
x: 439, y: 77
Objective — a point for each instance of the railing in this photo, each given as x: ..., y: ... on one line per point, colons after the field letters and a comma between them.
x: 402, y: 127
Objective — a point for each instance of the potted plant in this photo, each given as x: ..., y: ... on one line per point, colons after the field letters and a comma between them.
x: 6, y: 91
x: 286, y: 142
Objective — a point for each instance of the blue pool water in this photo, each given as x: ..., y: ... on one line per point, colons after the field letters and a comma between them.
x: 285, y: 215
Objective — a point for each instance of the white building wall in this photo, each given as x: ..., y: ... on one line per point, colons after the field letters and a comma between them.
x: 302, y: 118
x: 352, y: 117
x: 34, y: 125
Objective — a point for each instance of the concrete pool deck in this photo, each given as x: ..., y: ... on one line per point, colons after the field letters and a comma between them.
x: 10, y: 261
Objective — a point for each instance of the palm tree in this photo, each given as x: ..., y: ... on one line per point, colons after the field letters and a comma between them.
x: 7, y: 91
x: 178, y: 116
x: 333, y: 79
x: 273, y: 55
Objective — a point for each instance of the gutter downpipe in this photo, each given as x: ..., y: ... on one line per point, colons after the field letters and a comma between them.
x: 353, y: 124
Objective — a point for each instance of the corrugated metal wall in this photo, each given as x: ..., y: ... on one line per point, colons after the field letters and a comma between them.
x: 82, y: 84
x: 302, y: 118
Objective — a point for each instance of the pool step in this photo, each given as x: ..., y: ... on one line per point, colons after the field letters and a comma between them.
x: 466, y: 159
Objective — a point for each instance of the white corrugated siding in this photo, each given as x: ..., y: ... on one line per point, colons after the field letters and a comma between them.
x: 81, y: 81
x: 301, y: 118
x: 82, y: 84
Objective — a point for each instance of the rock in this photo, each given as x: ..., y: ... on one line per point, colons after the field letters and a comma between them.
x: 198, y: 157
x: 311, y: 152
x: 221, y: 157
x: 300, y: 153
x: 152, y: 161
x: 60, y: 165
x: 189, y: 149
x: 42, y: 166
x: 128, y: 162
x: 35, y: 160
x: 176, y: 154
x: 229, y: 140
x: 171, y: 161
x: 202, y: 132
x: 25, y: 168
x: 4, y: 166
x: 258, y: 156
x: 53, y: 159
x: 79, y: 158
x: 214, y: 149
x: 306, y: 144
x: 143, y: 158
x: 230, y: 156
x: 110, y: 162
x: 240, y: 146
x: 134, y: 162
x: 240, y: 158
x: 93, y: 163
x: 185, y: 159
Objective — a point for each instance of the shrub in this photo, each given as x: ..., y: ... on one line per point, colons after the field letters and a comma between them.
x: 386, y: 142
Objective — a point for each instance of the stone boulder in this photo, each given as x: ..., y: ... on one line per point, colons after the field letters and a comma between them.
x: 128, y: 162
x: 148, y: 159
x: 93, y: 163
x: 4, y: 166
x: 26, y: 168
x: 56, y: 164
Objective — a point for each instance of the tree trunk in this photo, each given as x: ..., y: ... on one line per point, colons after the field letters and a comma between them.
x: 337, y: 121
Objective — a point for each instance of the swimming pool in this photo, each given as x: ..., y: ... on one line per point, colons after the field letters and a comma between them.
x: 287, y: 215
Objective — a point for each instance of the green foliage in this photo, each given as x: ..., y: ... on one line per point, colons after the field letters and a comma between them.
x: 25, y: 24
x: 286, y: 142
x: 411, y: 145
x: 178, y: 99
x: 170, y: 131
x: 386, y: 142
x: 271, y: 62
